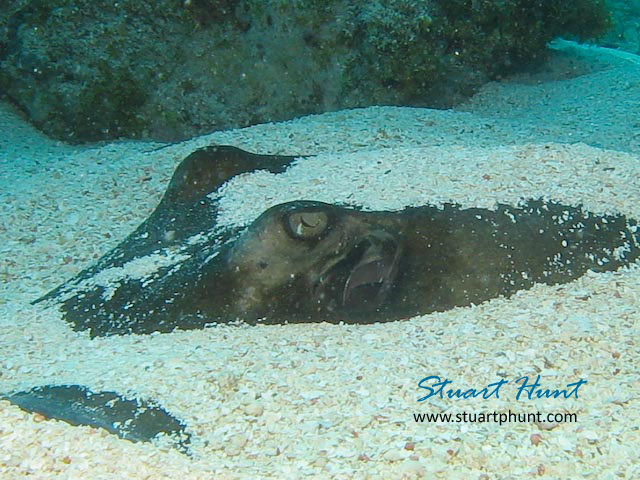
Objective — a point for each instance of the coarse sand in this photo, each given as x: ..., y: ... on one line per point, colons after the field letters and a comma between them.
x: 338, y: 401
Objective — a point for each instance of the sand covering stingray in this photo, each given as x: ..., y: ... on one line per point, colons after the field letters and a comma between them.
x: 326, y: 400
x: 309, y: 261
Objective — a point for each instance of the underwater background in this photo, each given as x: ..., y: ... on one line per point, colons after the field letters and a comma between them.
x: 393, y: 104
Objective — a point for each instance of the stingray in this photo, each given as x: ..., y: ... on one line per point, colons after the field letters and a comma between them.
x: 308, y: 261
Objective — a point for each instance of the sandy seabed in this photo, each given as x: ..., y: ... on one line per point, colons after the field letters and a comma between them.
x: 338, y: 401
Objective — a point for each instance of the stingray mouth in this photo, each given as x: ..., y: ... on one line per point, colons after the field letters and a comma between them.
x: 362, y: 277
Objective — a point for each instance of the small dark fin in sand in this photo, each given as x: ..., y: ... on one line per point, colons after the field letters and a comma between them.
x: 134, y: 420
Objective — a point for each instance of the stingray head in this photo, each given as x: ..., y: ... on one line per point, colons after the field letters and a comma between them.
x: 303, y: 257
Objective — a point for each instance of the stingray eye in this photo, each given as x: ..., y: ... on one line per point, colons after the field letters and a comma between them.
x: 307, y: 224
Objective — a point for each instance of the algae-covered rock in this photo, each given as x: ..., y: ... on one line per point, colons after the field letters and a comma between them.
x: 85, y: 70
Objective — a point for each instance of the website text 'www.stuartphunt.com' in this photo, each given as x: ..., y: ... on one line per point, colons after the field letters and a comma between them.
x: 496, y: 417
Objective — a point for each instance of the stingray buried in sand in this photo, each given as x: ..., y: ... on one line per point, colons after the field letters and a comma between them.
x: 308, y: 261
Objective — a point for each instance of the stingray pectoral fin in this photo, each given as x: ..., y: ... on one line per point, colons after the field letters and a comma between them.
x: 134, y: 420
x: 204, y: 170
x: 138, y: 286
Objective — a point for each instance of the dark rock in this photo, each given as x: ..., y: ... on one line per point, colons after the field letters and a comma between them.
x: 87, y: 70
